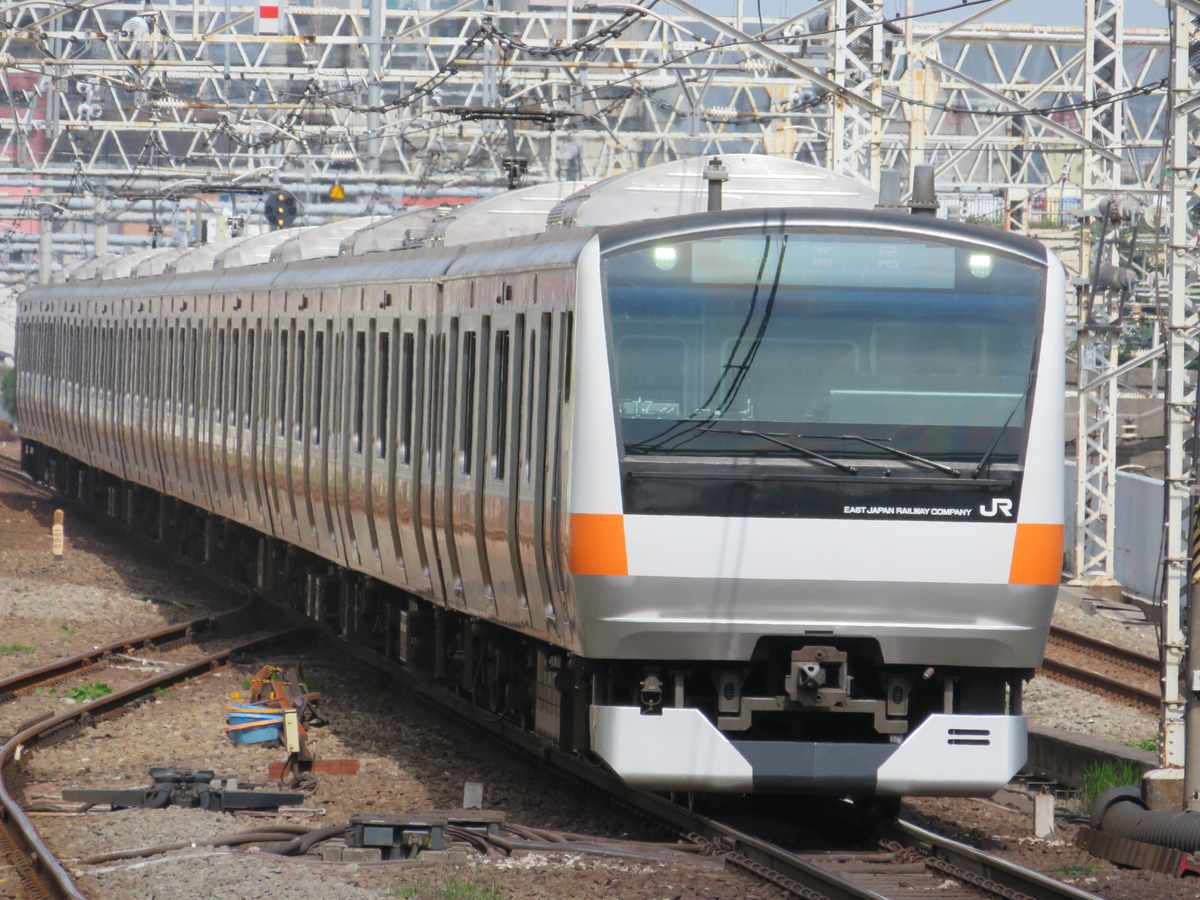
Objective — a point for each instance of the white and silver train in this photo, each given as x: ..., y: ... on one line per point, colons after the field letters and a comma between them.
x: 762, y: 499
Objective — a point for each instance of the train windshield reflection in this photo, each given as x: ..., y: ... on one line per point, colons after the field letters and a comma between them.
x: 925, y: 345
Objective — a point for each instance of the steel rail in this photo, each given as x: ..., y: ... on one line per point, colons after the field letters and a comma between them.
x: 1009, y: 877
x: 33, y: 856
x: 1151, y: 665
x: 1142, y: 663
x: 1089, y: 679
x: 151, y: 640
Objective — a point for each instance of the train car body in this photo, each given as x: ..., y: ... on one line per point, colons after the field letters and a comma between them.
x: 759, y: 499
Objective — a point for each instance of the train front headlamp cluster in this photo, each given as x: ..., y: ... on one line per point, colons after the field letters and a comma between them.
x: 980, y: 264
x: 664, y: 257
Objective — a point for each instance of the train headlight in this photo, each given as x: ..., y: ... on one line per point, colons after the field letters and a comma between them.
x: 664, y: 257
x: 980, y: 264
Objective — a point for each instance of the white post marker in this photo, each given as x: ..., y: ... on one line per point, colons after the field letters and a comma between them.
x: 1043, y: 815
x: 473, y: 795
x: 56, y: 535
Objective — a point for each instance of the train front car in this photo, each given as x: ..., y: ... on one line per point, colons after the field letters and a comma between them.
x: 816, y: 502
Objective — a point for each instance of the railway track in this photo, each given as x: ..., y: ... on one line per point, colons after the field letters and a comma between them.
x: 32, y: 861
x: 911, y: 861
x: 1105, y: 667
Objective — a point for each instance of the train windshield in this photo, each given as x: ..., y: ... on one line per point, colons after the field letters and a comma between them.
x: 847, y: 344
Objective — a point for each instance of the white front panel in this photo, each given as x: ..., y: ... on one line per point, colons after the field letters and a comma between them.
x: 968, y: 756
x: 677, y: 750
x: 954, y: 552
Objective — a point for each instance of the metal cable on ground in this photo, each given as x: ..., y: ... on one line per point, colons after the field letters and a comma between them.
x: 267, y: 833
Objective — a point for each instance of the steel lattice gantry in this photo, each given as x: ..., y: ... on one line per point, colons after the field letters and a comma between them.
x: 130, y: 101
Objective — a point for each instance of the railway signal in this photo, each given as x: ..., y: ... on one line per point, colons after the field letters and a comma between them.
x: 281, y: 209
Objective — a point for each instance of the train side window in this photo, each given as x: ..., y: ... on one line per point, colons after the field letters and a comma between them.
x: 407, y: 404
x: 219, y: 399
x: 318, y: 382
x: 248, y: 378
x: 382, y: 399
x: 170, y: 366
x: 359, y: 386
x: 467, y: 429
x: 500, y: 380
x: 568, y: 339
x: 283, y: 381
x: 191, y: 389
x: 531, y: 392
x: 235, y: 372
x: 301, y: 353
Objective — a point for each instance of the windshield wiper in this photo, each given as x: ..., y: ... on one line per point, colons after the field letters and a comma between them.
x: 803, y: 451
x: 896, y: 451
x: 987, y: 454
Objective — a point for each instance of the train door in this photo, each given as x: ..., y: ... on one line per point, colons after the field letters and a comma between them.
x: 378, y: 447
x: 558, y: 466
x: 353, y: 505
x: 201, y: 417
x: 139, y: 389
x: 106, y: 362
x: 431, y: 450
x: 503, y: 472
x: 465, y: 483
x: 223, y: 379
x: 277, y: 446
x: 533, y: 467
x: 327, y: 408
x: 165, y: 430
x: 124, y: 397
x: 408, y: 493
x: 250, y: 426
x: 89, y: 337
x: 186, y: 408
x: 300, y: 456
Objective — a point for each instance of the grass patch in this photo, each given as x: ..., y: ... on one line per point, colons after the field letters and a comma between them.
x: 445, y: 886
x: 88, y: 692
x: 16, y: 648
x: 1104, y: 776
x: 1081, y: 866
x: 1150, y: 744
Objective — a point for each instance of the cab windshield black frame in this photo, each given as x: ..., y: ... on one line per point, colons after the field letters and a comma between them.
x: 744, y: 343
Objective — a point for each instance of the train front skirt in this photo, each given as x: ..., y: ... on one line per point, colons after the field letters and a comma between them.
x: 681, y: 750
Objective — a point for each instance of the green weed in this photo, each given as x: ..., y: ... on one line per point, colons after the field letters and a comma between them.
x: 16, y: 648
x: 457, y: 886
x: 65, y: 630
x: 1150, y: 744
x: 1081, y: 866
x: 87, y: 692
x: 1101, y: 777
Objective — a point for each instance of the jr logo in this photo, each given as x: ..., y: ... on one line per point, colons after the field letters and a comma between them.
x: 998, y: 506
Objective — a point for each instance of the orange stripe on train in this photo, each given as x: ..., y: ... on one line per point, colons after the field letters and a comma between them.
x: 598, y: 544
x: 1037, y: 555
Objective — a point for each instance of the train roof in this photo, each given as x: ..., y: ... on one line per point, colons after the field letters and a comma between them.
x: 680, y: 188
x: 671, y: 189
x: 322, y: 241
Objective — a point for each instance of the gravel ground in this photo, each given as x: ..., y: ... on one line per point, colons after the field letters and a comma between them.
x: 410, y: 762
